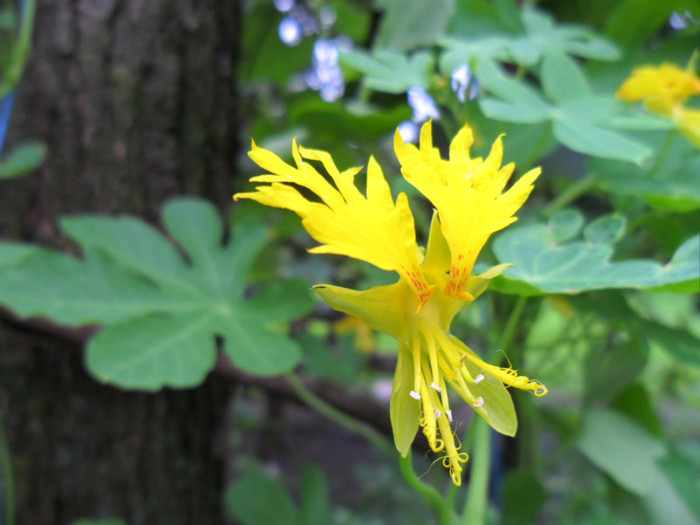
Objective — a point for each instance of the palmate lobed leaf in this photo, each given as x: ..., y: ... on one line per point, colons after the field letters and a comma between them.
x: 161, y: 311
x: 542, y: 265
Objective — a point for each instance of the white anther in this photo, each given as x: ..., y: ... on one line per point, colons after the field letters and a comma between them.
x: 438, y: 413
x: 414, y: 394
x: 435, y: 386
x: 478, y: 379
x: 449, y: 415
x: 479, y: 402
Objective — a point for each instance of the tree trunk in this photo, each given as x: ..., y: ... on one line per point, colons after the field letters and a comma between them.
x: 136, y: 102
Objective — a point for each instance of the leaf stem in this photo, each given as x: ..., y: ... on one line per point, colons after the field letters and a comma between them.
x: 429, y: 493
x: 663, y: 152
x: 332, y: 413
x: 20, y: 50
x: 570, y: 194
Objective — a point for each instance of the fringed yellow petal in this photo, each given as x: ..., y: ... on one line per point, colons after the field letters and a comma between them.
x: 467, y: 194
x: 345, y: 222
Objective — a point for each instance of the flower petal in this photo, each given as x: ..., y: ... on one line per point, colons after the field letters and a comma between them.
x: 467, y: 195
x: 372, y: 228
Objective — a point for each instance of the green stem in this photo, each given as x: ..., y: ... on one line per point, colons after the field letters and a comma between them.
x: 429, y: 493
x: 20, y: 50
x: 570, y: 194
x: 663, y: 152
x: 8, y: 484
x: 332, y: 413
x: 511, y: 327
x: 476, y: 505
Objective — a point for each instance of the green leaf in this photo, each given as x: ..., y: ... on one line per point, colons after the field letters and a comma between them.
x: 565, y: 225
x: 611, y: 369
x: 671, y: 184
x: 14, y: 253
x: 255, y: 498
x: 595, y: 140
x: 390, y: 71
x: 315, y: 503
x: 682, y: 472
x: 524, y: 114
x: 605, y: 230
x: 680, y: 344
x: 22, y: 160
x: 562, y: 79
x: 406, y: 25
x: 523, y: 495
x: 622, y: 449
x: 543, y: 265
x: 161, y: 309
x: 154, y: 351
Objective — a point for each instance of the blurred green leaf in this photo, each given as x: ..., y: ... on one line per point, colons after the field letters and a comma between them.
x: 523, y: 496
x: 622, y: 449
x: 315, y: 503
x: 605, y: 230
x: 161, y: 312
x: 22, y: 160
x: 634, y: 402
x: 680, y: 344
x: 390, y: 71
x: 595, y: 140
x: 340, y: 363
x: 14, y: 253
x: 682, y: 472
x: 565, y: 225
x: 256, y: 498
x: 265, y: 58
x: 406, y: 25
x: 609, y: 370
x: 671, y: 184
x: 544, y: 265
x: 562, y: 79
x: 580, y: 121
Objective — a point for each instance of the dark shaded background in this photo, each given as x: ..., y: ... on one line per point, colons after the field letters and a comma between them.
x: 137, y: 103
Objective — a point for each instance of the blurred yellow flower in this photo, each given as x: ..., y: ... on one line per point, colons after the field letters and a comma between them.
x: 364, y: 335
x: 434, y: 284
x: 664, y: 90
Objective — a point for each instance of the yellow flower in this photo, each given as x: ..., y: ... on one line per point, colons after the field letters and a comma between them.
x: 663, y: 89
x: 433, y: 286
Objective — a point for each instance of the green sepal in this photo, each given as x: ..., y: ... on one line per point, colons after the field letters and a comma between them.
x: 404, y: 410
x: 385, y: 308
x: 498, y: 409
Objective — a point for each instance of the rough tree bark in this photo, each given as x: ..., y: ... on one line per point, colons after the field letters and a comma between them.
x: 136, y: 102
